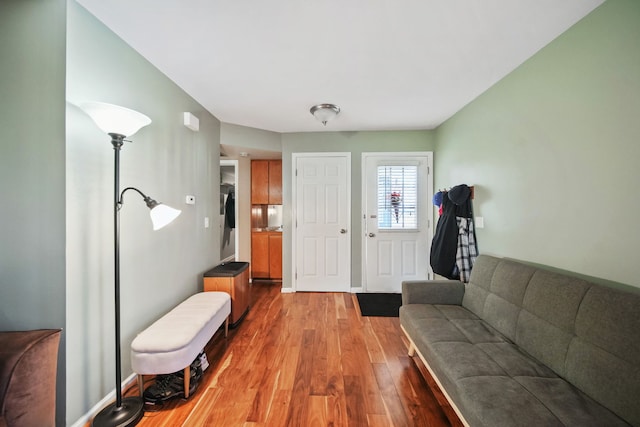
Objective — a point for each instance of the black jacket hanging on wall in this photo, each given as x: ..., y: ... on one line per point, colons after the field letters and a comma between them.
x: 445, y: 243
x: 230, y: 211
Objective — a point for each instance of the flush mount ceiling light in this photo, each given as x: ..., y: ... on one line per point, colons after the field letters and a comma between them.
x: 325, y: 112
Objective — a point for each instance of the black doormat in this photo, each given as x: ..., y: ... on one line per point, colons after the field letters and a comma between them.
x: 382, y: 305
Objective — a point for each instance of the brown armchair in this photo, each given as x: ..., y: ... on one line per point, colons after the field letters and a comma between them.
x: 28, y: 367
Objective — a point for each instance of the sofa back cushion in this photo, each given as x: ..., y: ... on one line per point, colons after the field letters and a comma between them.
x: 495, y: 292
x: 478, y: 288
x: 603, y: 359
x: 547, y: 322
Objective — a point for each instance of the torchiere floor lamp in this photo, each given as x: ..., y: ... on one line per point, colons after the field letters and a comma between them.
x: 119, y: 123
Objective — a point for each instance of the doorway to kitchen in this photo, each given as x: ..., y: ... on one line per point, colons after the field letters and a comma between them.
x: 228, y: 213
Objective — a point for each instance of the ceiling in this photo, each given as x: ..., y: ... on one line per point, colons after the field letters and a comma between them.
x: 388, y: 64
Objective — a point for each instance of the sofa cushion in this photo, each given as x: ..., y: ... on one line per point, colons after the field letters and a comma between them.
x: 569, y: 405
x: 504, y: 302
x: 477, y: 290
x: 555, y: 298
x: 532, y: 401
x: 603, y: 360
x: 546, y: 324
x: 514, y: 362
x: 502, y: 401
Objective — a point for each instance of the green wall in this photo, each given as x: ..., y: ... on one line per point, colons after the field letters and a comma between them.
x: 356, y: 143
x: 553, y: 151
x: 32, y: 170
x: 167, y: 161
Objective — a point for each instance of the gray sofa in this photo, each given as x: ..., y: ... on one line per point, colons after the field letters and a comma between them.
x: 523, y: 346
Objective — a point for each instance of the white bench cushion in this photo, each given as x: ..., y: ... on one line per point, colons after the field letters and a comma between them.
x: 172, y: 342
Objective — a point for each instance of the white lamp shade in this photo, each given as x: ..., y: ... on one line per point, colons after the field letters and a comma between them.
x: 162, y: 215
x: 115, y: 119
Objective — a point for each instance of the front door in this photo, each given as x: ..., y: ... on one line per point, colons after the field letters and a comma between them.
x: 398, y: 188
x: 321, y: 220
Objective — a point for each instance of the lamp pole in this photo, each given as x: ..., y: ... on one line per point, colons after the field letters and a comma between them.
x: 128, y: 411
x: 117, y: 141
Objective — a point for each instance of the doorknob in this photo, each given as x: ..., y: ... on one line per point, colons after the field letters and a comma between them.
x: 372, y: 235
x: 343, y: 231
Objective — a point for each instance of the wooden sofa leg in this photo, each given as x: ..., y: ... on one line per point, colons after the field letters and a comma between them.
x: 141, y: 384
x: 412, y: 349
x: 187, y: 380
x: 226, y: 327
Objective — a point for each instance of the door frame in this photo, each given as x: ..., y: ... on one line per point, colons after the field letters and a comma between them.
x: 236, y: 234
x: 429, y: 197
x: 294, y: 213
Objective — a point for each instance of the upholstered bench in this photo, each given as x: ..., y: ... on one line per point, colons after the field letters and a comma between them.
x: 172, y: 342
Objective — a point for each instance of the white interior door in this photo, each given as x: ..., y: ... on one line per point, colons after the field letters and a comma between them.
x: 398, y: 189
x: 322, y: 251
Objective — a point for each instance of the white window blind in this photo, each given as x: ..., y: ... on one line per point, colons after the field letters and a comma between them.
x: 397, y: 197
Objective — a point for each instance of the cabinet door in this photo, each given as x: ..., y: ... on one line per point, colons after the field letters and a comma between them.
x: 259, y: 182
x: 242, y: 290
x: 240, y: 296
x: 260, y: 255
x: 275, y: 182
x: 275, y: 255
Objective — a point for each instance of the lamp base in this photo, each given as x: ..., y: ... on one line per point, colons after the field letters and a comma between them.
x: 129, y: 414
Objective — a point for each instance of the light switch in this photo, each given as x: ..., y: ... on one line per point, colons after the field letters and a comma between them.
x: 479, y: 222
x: 206, y: 222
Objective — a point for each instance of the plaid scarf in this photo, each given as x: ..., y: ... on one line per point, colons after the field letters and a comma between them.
x: 467, y: 249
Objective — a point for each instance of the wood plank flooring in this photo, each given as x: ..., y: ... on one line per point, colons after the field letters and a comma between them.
x: 308, y: 359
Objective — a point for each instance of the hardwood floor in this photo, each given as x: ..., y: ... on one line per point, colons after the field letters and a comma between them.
x: 308, y: 359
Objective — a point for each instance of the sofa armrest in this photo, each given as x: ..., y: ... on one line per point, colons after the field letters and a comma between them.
x: 28, y: 370
x: 432, y: 292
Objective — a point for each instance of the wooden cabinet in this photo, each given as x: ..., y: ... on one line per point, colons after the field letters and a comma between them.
x: 275, y: 255
x: 266, y: 182
x: 266, y: 255
x: 259, y: 182
x: 260, y: 254
x: 275, y: 182
x: 233, y: 280
x: 266, y: 244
